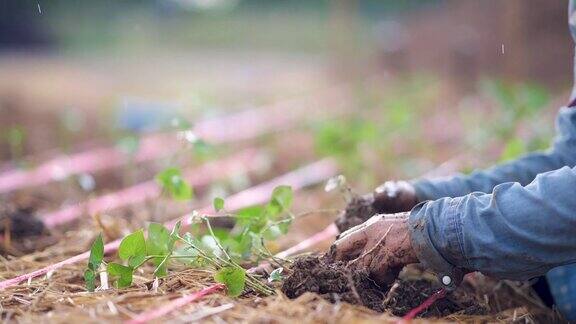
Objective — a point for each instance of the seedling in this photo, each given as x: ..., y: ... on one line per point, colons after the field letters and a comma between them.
x: 220, y: 250
x: 96, y: 256
x: 173, y: 182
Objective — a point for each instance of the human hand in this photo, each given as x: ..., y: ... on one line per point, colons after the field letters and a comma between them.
x: 381, y: 245
x: 391, y: 197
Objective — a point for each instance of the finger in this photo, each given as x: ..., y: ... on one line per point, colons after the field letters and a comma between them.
x: 361, y: 227
x: 383, y: 270
x: 351, y: 230
x: 350, y: 246
x: 385, y: 276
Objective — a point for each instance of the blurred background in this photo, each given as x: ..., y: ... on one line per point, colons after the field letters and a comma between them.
x: 424, y: 83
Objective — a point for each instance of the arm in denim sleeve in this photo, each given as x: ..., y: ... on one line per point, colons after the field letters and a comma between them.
x: 516, y: 232
x: 523, y: 170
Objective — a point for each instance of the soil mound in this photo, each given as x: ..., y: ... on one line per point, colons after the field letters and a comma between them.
x: 335, y: 282
x: 405, y: 295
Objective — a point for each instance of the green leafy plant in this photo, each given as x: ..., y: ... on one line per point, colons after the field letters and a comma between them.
x: 172, y: 181
x: 202, y: 245
x: 517, y: 103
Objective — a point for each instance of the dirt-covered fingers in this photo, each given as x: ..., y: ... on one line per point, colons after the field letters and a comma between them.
x: 350, y: 245
x: 352, y: 230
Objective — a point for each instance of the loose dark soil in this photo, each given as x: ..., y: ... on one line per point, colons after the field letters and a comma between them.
x: 333, y: 281
x: 21, y: 223
x: 22, y: 232
x: 336, y: 283
x: 405, y: 295
x: 358, y: 211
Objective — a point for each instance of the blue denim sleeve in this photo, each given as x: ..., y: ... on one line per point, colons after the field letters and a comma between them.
x: 523, y: 170
x: 516, y: 232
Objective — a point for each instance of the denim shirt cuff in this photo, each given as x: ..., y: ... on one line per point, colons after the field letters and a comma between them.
x: 435, y: 232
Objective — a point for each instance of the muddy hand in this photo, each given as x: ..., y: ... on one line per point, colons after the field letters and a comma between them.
x: 394, y: 197
x: 391, y: 197
x: 381, y: 245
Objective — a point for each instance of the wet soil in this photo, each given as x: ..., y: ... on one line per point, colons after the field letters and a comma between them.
x: 358, y: 211
x: 336, y: 283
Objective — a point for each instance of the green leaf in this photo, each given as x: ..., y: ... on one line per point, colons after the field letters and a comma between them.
x: 282, y: 195
x: 234, y: 278
x: 96, y: 254
x: 158, y: 239
x: 158, y: 243
x: 280, y: 201
x: 94, y: 261
x: 122, y: 273
x: 171, y: 180
x: 133, y: 248
x: 252, y: 214
x: 90, y: 278
x: 276, y: 275
x: 218, y: 204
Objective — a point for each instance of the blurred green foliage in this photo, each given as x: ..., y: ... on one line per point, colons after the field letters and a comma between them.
x: 16, y: 137
x: 517, y: 104
x: 383, y: 122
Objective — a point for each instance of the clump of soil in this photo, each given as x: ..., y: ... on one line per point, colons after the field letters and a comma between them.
x: 336, y: 282
x: 22, y: 232
x: 359, y: 210
x: 333, y: 281
x: 405, y: 295
x: 21, y: 223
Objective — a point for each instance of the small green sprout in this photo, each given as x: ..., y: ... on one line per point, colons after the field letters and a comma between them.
x: 172, y: 181
x: 94, y: 261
